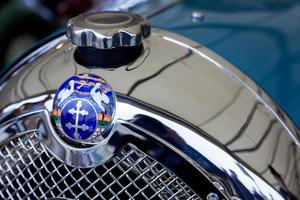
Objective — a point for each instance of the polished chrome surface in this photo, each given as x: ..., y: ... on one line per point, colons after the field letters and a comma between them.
x: 29, y: 172
x: 180, y: 94
x: 156, y: 125
x: 126, y: 132
x: 108, y: 30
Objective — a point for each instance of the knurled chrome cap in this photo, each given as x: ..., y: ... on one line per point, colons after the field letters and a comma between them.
x: 107, y: 30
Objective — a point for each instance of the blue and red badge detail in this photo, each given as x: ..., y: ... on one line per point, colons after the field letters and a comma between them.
x: 83, y: 107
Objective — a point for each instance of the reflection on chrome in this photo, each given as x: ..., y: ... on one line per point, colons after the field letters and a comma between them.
x: 147, y: 125
x: 186, y: 107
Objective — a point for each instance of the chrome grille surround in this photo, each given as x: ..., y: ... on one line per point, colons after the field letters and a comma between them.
x: 28, y: 171
x: 201, y: 128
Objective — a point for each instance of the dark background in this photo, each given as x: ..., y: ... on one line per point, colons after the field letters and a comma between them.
x: 24, y: 22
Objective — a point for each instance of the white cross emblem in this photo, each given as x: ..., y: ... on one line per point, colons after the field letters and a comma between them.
x: 77, y: 112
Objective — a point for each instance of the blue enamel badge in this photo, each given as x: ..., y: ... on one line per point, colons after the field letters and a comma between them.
x: 83, y: 107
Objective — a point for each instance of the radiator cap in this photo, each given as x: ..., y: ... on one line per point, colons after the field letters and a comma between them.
x: 108, y: 30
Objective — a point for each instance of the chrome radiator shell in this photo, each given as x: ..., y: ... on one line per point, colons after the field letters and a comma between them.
x: 198, y: 105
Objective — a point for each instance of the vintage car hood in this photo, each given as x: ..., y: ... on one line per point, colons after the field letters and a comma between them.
x: 261, y: 39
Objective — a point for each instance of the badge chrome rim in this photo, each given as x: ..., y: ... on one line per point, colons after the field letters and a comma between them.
x: 95, y: 137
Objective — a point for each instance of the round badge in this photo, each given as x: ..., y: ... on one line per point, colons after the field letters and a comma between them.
x: 83, y: 108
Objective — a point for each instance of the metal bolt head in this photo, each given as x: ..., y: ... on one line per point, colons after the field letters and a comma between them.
x: 197, y: 16
x: 212, y: 196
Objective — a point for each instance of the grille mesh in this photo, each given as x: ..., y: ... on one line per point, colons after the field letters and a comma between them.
x: 28, y: 171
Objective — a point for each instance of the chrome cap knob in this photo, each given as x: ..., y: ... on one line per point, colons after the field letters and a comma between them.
x: 107, y: 30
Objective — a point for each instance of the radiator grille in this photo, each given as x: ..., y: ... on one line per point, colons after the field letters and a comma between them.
x: 28, y: 171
